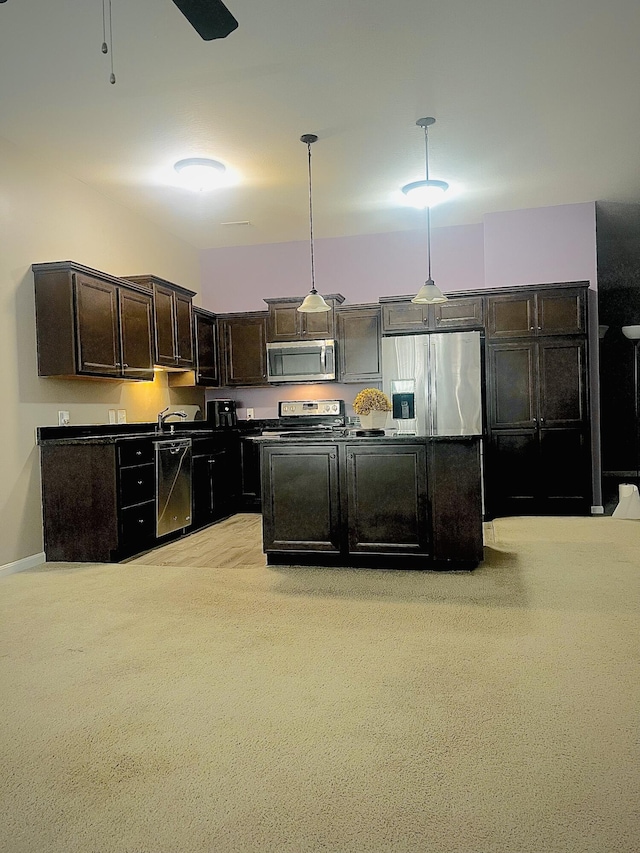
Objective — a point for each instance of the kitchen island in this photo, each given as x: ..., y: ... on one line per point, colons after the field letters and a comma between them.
x: 380, y: 502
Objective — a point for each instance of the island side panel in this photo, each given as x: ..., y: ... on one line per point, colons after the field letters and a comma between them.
x: 455, y: 489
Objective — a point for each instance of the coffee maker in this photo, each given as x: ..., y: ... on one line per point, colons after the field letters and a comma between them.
x: 221, y: 414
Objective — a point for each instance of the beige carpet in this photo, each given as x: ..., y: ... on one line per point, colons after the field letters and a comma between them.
x: 171, y: 709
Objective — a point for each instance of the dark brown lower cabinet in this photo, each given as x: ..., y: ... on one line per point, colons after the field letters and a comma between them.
x: 415, y: 504
x: 98, y: 499
x: 215, y: 462
x: 300, y: 504
x: 387, y: 498
x: 539, y: 471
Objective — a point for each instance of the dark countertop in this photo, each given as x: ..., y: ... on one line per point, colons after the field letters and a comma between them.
x: 333, y: 439
x: 110, y: 433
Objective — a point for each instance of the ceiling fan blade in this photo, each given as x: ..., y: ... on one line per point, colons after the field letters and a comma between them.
x: 210, y: 18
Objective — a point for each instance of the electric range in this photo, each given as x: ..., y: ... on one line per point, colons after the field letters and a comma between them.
x: 308, y: 418
x: 315, y: 419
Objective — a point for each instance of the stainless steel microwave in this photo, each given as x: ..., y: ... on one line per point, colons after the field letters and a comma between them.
x: 301, y: 361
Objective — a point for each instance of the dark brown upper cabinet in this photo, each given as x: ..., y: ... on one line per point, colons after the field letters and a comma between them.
x: 89, y: 323
x: 172, y: 306
x: 359, y: 350
x: 401, y: 316
x: 286, y: 323
x: 205, y: 327
x: 243, y: 350
x: 548, y: 310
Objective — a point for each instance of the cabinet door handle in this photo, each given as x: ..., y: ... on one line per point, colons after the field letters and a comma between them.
x: 332, y: 456
x: 532, y: 328
x: 140, y: 482
x: 535, y: 420
x: 539, y: 328
x: 141, y: 521
x: 125, y: 366
x: 138, y: 453
x: 541, y: 420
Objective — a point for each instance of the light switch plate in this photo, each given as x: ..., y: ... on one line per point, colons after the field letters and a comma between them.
x: 112, y: 416
x: 63, y: 418
x: 122, y: 416
x: 250, y: 414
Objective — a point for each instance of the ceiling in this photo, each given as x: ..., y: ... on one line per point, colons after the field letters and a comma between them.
x: 536, y: 104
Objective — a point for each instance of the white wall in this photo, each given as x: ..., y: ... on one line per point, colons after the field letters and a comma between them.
x: 45, y: 216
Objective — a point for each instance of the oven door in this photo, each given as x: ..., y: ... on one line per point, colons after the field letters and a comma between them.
x: 301, y: 361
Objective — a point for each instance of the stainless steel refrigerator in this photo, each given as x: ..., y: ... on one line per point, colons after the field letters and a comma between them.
x: 434, y: 382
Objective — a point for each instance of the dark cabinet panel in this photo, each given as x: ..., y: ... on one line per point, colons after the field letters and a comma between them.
x: 136, y: 323
x: 292, y: 524
x: 512, y: 472
x: 404, y: 316
x: 511, y: 315
x: 562, y: 375
x: 547, y: 310
x: 173, y: 321
x: 163, y: 302
x: 184, y: 333
x: 562, y: 312
x: 511, y: 377
x: 359, y: 351
x: 97, y: 328
x: 216, y: 478
x: 457, y: 313
x: 243, y: 345
x: 539, y: 458
x: 387, y: 498
x: 565, y: 480
x: 401, y: 315
x: 286, y: 323
x: 539, y: 472
x: 89, y: 323
x: 206, y: 341
x: 250, y: 478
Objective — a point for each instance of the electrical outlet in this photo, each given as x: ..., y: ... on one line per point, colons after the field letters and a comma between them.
x: 122, y: 416
x: 63, y: 418
x: 250, y: 414
x: 112, y: 416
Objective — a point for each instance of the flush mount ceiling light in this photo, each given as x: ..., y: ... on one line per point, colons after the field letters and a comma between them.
x: 313, y: 302
x: 429, y: 292
x: 200, y: 173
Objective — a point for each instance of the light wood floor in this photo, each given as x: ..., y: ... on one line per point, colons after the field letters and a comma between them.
x: 236, y: 541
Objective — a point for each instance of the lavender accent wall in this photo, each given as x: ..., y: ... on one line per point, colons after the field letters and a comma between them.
x: 362, y: 268
x: 542, y: 244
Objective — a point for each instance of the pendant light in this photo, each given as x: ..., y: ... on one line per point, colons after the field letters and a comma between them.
x: 425, y: 194
x: 313, y: 302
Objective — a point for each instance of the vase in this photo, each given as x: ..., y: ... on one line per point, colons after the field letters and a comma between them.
x: 374, y: 420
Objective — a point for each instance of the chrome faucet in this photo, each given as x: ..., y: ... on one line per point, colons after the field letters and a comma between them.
x: 165, y: 414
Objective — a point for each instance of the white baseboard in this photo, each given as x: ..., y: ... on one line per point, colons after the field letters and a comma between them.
x: 23, y: 564
x: 597, y: 510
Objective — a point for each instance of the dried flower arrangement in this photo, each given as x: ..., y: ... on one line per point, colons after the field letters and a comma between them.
x: 371, y: 400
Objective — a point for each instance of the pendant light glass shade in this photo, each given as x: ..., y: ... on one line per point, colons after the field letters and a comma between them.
x: 428, y: 293
x: 313, y: 302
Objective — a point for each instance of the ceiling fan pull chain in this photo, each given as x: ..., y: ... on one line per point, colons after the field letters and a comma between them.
x: 108, y: 47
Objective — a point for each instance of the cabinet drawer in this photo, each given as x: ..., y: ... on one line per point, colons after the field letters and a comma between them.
x: 138, y: 525
x: 137, y: 484
x: 135, y: 452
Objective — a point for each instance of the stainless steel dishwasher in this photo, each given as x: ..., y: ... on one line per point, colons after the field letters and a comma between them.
x: 173, y: 485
